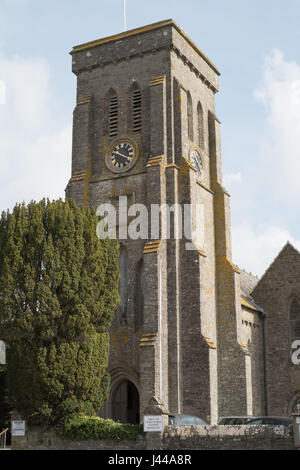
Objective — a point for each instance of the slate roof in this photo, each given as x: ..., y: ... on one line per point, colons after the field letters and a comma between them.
x: 248, y: 283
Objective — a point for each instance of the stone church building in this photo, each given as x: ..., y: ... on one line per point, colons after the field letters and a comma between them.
x: 205, y: 337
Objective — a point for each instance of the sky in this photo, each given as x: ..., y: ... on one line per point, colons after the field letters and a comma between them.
x: 255, y: 45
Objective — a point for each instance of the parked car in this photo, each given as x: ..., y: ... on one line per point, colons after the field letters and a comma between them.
x: 186, y: 420
x: 240, y: 420
x: 278, y: 420
x: 235, y: 420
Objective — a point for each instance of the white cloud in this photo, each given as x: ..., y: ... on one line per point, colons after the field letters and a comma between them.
x: 35, y: 145
x: 279, y: 92
x: 255, y: 248
x: 262, y: 205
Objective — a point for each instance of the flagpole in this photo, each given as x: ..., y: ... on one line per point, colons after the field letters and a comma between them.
x: 125, y: 16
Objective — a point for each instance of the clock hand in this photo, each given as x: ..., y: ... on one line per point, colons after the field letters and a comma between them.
x: 121, y: 155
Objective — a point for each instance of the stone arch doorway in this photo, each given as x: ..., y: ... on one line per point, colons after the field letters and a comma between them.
x: 126, y: 403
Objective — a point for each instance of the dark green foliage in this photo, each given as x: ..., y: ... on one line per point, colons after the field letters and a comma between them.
x: 58, y: 294
x: 85, y: 427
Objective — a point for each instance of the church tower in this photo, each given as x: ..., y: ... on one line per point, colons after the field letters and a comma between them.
x: 145, y: 128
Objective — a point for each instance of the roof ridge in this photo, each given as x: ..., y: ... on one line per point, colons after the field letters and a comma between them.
x: 287, y: 244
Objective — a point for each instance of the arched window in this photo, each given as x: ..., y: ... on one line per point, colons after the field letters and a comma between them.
x: 190, y: 117
x: 123, y: 285
x: 113, y: 115
x: 295, y: 320
x: 139, y: 297
x: 200, y: 125
x: 137, y: 111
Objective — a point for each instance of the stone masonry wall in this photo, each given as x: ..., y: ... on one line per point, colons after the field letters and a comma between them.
x: 45, y: 439
x: 181, y: 438
x: 274, y: 293
x: 228, y: 438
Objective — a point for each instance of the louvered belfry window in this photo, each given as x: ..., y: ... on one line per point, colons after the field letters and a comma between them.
x: 190, y: 117
x: 113, y: 116
x: 137, y: 111
x: 295, y: 320
x: 200, y: 126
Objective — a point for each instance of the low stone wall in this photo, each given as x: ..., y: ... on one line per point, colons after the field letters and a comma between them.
x: 228, y: 438
x: 181, y: 438
x: 45, y: 439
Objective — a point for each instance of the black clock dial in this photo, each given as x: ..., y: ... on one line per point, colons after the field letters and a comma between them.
x: 122, y: 155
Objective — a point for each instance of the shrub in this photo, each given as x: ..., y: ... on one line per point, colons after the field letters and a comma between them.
x: 85, y: 427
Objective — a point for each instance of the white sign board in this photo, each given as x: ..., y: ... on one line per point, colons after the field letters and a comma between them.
x: 18, y: 428
x: 153, y: 423
x: 298, y: 420
x: 2, y: 352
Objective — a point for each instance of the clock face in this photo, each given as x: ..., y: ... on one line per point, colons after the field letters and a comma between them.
x: 122, y: 156
x: 197, y: 161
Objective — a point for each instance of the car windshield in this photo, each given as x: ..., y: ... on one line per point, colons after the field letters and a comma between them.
x: 185, y: 420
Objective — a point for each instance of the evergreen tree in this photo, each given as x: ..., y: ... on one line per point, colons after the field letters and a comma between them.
x: 58, y: 294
